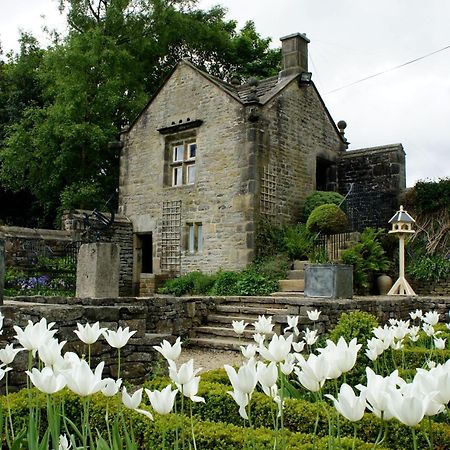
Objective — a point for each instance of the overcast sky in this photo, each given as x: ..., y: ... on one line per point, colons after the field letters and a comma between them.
x: 350, y: 40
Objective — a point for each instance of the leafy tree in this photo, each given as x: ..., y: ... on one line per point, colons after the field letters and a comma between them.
x: 85, y: 88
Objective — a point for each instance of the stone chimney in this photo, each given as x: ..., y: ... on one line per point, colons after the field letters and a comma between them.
x: 294, y: 49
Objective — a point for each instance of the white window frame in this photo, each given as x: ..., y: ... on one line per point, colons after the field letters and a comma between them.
x: 185, y: 164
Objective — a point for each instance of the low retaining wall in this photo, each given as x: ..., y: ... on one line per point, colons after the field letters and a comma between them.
x: 165, y: 317
x: 154, y: 319
x: 440, y: 288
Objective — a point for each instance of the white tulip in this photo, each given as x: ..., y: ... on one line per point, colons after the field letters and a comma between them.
x: 263, y: 325
x: 245, y: 379
x: 190, y: 390
x: 313, y: 315
x: 89, y: 334
x: 170, y: 352
x: 8, y: 353
x: 46, y: 380
x: 111, y: 387
x: 278, y: 349
x: 249, y: 351
x: 267, y: 375
x: 132, y: 401
x: 348, y: 404
x: 81, y: 380
x: 34, y: 335
x: 242, y: 400
x: 292, y: 324
x: 239, y: 326
x: 439, y: 343
x: 50, y: 352
x: 119, y: 338
x: 162, y: 401
x: 184, y: 374
x: 431, y: 317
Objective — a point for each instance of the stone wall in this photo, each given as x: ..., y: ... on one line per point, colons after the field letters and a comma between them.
x: 154, y: 319
x: 298, y: 131
x: 440, y: 288
x: 24, y: 245
x: 378, y: 178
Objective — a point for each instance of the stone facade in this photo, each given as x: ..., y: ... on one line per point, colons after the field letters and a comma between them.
x: 258, y: 146
x: 439, y: 288
x: 375, y: 178
x: 259, y: 149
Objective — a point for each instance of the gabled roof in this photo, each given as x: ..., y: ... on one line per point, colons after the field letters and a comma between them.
x: 264, y: 90
x: 401, y: 216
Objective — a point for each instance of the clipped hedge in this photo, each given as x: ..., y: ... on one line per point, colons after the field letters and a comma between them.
x: 150, y: 434
x: 301, y: 415
x: 319, y: 198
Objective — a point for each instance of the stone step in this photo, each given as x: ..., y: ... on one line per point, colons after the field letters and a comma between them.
x: 212, y: 331
x: 296, y: 275
x: 300, y: 265
x: 218, y: 344
x: 240, y: 309
x: 227, y: 320
x: 253, y: 300
x: 288, y: 294
x: 291, y: 285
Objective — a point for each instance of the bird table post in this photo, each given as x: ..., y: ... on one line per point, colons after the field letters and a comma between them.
x: 402, y: 226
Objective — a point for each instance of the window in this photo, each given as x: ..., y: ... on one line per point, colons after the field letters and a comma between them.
x: 183, y: 163
x: 194, y: 242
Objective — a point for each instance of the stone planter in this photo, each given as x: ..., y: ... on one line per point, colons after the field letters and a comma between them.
x: 329, y: 281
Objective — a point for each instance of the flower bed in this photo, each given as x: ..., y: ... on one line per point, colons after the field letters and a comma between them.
x: 293, y: 391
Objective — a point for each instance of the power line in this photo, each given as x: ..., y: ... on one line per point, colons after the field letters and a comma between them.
x: 388, y: 70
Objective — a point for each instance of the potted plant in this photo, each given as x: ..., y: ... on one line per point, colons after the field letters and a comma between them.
x: 322, y: 277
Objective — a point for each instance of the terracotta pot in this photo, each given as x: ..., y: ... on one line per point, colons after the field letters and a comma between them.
x: 384, y: 283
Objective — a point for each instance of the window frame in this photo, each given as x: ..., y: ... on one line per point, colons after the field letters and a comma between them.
x: 186, y: 164
x: 194, y: 238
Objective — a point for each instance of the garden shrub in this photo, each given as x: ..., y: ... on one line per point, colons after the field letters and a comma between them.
x: 274, y: 267
x: 193, y: 283
x: 355, y: 324
x: 319, y: 198
x: 367, y: 258
x: 225, y: 283
x: 327, y: 219
x: 269, y: 239
x: 253, y: 283
x: 429, y: 268
x: 298, y: 241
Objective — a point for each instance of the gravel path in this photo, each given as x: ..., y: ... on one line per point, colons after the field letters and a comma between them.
x: 210, y: 359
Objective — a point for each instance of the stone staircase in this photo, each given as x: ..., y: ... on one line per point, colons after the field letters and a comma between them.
x: 218, y: 332
x: 295, y: 282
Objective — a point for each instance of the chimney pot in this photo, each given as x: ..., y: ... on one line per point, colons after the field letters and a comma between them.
x: 294, y: 49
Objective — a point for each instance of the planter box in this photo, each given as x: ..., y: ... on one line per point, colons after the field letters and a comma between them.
x: 329, y: 281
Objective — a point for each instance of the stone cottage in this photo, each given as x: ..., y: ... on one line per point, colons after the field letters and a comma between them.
x: 206, y: 159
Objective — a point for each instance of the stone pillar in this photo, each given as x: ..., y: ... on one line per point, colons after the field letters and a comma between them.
x: 2, y: 269
x: 98, y: 270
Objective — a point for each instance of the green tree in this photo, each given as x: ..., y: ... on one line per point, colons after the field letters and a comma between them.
x: 116, y: 54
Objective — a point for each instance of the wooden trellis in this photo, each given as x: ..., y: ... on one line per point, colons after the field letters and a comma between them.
x: 171, y: 237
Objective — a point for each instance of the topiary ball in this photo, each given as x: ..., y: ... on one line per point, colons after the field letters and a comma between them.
x: 319, y: 198
x: 327, y: 219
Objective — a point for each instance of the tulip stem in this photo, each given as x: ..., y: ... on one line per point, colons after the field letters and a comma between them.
x: 283, y: 440
x: 355, y: 431
x: 107, y: 422
x: 118, y: 363
x: 414, y: 438
x: 8, y: 406
x: 430, y: 429
x: 192, y: 426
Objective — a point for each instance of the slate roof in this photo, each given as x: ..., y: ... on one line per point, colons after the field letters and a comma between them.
x: 401, y: 216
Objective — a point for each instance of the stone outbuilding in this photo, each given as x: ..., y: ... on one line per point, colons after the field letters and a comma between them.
x: 206, y: 159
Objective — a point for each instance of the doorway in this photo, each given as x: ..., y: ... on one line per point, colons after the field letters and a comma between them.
x: 146, y: 247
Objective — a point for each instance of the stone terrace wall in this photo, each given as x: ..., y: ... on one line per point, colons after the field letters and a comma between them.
x: 378, y: 177
x: 21, y: 244
x: 439, y: 288
x: 154, y: 319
